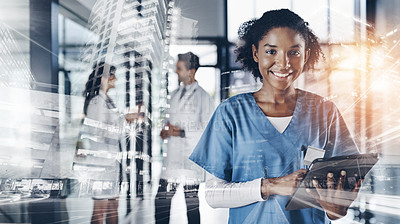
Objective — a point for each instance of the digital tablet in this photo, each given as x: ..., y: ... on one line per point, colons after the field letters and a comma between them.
x: 356, y: 166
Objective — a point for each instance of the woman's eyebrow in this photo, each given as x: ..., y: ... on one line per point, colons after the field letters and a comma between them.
x: 270, y: 45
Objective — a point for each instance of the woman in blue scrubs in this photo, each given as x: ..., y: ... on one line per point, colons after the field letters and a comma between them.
x: 253, y: 141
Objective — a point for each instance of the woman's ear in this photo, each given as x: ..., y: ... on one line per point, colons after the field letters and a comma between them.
x: 307, y: 55
x: 255, y: 54
x: 104, y: 83
x: 104, y: 79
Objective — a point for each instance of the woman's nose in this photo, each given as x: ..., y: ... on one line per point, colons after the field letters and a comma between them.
x: 283, y: 61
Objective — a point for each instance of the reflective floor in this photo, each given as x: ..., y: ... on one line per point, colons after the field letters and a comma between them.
x: 379, y: 209
x: 79, y: 210
x: 378, y: 202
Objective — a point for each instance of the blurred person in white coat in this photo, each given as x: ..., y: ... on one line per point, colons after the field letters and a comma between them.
x: 188, y: 114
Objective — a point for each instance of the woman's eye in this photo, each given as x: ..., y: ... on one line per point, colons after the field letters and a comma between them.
x: 270, y: 51
x: 294, y: 53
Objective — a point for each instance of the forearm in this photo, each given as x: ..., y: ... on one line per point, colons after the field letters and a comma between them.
x: 222, y: 194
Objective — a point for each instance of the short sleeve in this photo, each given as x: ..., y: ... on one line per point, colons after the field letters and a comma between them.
x: 340, y: 141
x: 213, y: 152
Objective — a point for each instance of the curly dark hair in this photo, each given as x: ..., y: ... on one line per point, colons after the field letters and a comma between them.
x: 251, y: 32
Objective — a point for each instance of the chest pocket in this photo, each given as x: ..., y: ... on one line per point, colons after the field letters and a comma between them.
x: 189, y: 103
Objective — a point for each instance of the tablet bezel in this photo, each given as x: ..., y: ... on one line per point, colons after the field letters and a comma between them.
x: 301, y: 199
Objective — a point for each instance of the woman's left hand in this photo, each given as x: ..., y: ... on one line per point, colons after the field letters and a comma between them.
x: 134, y: 117
x: 334, y: 200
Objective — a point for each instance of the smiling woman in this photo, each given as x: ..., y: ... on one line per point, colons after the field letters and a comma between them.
x: 281, y: 56
x: 252, y: 144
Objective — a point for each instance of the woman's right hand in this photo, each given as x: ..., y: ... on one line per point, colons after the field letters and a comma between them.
x: 285, y: 185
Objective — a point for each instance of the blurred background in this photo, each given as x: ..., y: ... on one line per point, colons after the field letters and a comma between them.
x: 48, y: 49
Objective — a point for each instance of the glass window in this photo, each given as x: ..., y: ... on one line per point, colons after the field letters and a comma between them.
x: 318, y: 19
x: 206, y: 76
x: 239, y: 12
x: 207, y: 53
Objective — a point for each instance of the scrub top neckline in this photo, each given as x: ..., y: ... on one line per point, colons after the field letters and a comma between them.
x: 260, y: 112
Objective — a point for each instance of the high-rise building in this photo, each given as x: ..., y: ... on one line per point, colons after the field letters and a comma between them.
x: 131, y: 35
x: 14, y: 70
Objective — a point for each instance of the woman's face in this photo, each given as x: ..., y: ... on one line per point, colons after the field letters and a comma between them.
x: 281, y: 56
x: 111, y: 81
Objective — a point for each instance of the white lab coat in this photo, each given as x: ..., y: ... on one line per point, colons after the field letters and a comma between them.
x: 191, y: 113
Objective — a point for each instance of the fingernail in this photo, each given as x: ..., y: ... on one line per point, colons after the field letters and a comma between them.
x: 343, y: 172
x: 330, y: 175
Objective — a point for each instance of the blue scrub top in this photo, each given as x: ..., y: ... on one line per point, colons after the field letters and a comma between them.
x: 240, y: 144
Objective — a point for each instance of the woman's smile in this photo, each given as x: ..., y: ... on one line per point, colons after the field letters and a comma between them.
x: 282, y: 75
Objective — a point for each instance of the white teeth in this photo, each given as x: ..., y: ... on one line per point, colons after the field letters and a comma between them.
x: 281, y: 75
